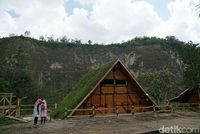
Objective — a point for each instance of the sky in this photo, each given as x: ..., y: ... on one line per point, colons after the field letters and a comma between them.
x: 102, y: 21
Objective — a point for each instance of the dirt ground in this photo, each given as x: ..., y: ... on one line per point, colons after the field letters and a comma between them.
x: 107, y: 125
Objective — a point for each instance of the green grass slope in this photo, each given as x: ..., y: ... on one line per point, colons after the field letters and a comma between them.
x: 84, y: 86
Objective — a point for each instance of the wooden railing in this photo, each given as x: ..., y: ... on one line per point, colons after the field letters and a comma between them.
x: 28, y: 109
x: 186, y: 106
x: 169, y: 108
x: 93, y: 110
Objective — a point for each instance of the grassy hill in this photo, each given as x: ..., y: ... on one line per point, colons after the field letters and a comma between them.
x: 49, y: 69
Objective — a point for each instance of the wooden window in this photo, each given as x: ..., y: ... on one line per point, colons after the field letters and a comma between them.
x: 107, y: 81
x: 111, y: 82
x: 120, y: 82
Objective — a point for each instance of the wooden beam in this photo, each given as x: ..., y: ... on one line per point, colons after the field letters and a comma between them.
x: 8, y: 107
x: 17, y: 119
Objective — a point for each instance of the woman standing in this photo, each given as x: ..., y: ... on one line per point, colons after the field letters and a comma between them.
x: 43, y: 111
x: 36, y: 110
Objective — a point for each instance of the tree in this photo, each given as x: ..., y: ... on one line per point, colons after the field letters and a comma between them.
x: 190, y: 55
x: 27, y: 33
x: 12, y: 35
x: 76, y: 41
x: 64, y: 39
x: 50, y: 38
x: 160, y: 84
x: 4, y: 85
x: 42, y: 38
x: 89, y: 42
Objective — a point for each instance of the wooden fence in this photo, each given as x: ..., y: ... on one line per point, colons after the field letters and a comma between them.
x: 134, y: 109
x: 186, y: 106
x: 27, y: 110
x: 7, y: 103
x: 167, y: 108
x: 10, y: 105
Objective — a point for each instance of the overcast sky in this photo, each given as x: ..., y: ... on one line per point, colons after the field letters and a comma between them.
x: 102, y: 21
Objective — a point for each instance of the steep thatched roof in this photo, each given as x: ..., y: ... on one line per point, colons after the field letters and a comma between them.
x: 84, y: 86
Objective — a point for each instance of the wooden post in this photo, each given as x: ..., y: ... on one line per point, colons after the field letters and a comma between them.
x: 4, y: 105
x: 18, y: 107
x: 117, y: 110
x: 50, y: 115
x: 10, y: 100
x: 93, y: 111
x: 171, y: 107
x: 132, y: 110
x: 154, y: 110
x: 66, y: 112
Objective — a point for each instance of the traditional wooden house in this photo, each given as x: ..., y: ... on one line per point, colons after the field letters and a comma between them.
x: 190, y: 95
x: 110, y: 86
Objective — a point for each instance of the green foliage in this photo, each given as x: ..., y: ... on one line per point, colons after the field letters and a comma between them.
x: 20, y: 83
x: 174, y: 44
x: 190, y: 56
x: 2, y: 121
x: 160, y: 84
x: 50, y: 94
x: 5, y: 121
x: 14, y: 81
x: 84, y: 86
x: 4, y: 85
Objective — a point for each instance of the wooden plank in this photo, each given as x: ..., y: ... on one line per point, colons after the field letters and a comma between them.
x: 8, y: 107
x: 7, y: 95
x: 7, y: 100
x: 17, y: 119
x: 1, y: 100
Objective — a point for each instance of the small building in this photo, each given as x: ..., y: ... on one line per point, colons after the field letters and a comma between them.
x: 190, y: 95
x: 104, y: 89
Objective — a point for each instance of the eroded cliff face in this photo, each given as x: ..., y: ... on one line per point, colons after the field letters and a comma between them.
x: 62, y: 67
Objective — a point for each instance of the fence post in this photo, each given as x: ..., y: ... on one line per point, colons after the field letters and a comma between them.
x: 93, y: 111
x: 18, y: 108
x: 117, y: 111
x: 50, y: 115
x: 154, y: 110
x: 132, y: 110
x: 66, y: 112
x: 172, y: 109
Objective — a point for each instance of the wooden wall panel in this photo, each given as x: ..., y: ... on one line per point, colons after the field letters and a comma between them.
x: 109, y: 101
x: 107, y: 90
x: 120, y: 75
x: 97, y: 90
x: 96, y: 100
x: 121, y: 89
x: 120, y: 99
x: 110, y: 75
x: 193, y: 97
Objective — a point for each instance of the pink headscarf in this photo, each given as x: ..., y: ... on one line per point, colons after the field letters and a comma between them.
x: 38, y: 101
x: 45, y: 103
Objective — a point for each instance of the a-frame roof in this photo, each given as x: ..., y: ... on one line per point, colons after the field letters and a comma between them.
x: 86, y: 86
x: 182, y: 94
